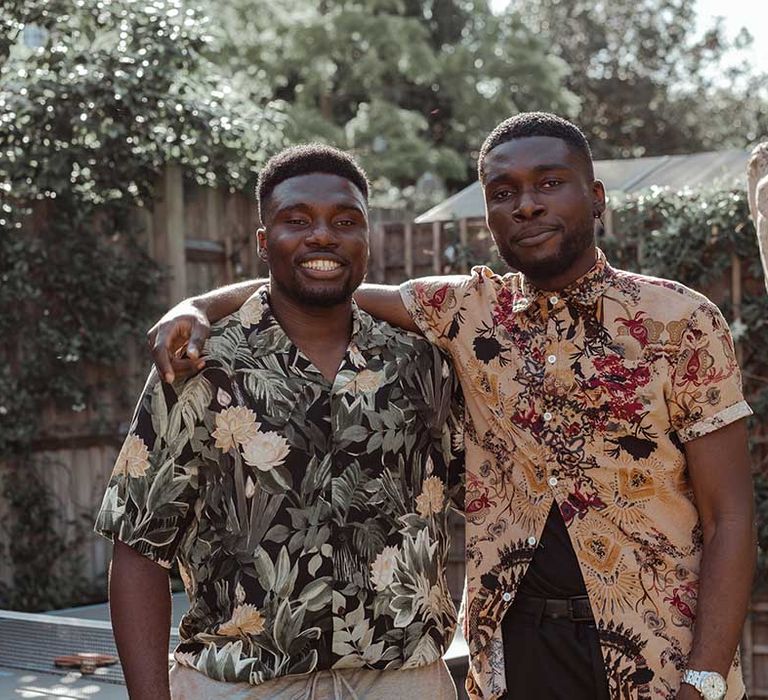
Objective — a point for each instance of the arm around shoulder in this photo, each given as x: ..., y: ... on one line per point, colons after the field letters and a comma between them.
x: 177, y: 339
x: 383, y: 301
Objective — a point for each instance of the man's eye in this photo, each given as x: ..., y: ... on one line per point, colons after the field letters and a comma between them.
x: 552, y: 182
x: 502, y: 194
x: 296, y: 222
x: 345, y: 222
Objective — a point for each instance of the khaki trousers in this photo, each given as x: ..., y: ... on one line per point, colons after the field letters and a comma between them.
x: 431, y: 682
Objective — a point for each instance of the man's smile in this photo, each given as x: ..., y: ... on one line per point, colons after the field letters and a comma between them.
x: 322, y: 264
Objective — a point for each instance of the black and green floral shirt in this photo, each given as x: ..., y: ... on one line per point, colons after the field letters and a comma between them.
x: 309, y: 519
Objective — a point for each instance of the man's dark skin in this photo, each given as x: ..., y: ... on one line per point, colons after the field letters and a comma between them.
x: 310, y: 220
x: 541, y: 200
x: 314, y: 218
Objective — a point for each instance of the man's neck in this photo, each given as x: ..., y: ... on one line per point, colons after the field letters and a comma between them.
x: 322, y: 333
x: 555, y: 283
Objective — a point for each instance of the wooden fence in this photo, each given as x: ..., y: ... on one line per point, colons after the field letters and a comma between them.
x: 206, y: 238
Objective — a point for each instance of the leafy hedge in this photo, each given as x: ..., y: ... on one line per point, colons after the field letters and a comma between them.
x: 95, y: 98
x: 692, y: 236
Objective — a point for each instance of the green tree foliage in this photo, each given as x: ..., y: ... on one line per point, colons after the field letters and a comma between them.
x: 408, y: 85
x: 95, y: 97
x: 87, y: 120
x: 648, y: 84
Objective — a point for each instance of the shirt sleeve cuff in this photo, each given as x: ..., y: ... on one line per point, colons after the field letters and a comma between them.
x: 144, y: 548
x: 719, y: 420
x: 416, y: 311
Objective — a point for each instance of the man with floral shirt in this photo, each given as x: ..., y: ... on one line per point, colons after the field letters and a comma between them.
x: 610, y: 543
x: 302, y: 481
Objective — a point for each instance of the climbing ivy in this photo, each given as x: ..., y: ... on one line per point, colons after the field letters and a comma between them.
x: 96, y: 97
x: 694, y: 237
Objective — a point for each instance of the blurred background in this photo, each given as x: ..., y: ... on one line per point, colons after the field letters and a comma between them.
x: 132, y: 132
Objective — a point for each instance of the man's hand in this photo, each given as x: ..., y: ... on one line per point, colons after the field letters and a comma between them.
x: 177, y: 339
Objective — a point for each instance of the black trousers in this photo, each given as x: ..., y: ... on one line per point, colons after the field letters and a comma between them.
x: 552, y: 659
x: 548, y: 659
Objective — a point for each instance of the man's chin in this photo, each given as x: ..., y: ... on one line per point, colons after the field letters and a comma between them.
x: 543, y: 267
x: 323, y: 297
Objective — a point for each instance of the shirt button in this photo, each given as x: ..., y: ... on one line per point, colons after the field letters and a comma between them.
x: 553, y: 300
x: 532, y: 540
x: 547, y: 416
x: 552, y: 359
x: 507, y: 597
x: 553, y: 481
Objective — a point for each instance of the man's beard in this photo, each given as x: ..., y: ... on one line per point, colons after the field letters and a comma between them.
x: 570, y: 249
x: 323, y: 297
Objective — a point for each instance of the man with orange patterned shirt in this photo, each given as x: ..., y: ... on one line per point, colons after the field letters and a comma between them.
x: 610, y: 540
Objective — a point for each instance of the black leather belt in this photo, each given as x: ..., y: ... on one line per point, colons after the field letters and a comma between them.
x: 576, y: 609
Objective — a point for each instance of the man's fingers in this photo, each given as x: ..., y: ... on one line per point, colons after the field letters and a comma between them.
x: 184, y: 367
x: 176, y: 341
x: 196, y: 340
x: 162, y: 359
x: 169, y: 342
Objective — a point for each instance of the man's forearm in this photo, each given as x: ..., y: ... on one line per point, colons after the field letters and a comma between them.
x: 140, y: 606
x: 382, y: 301
x: 725, y: 585
x: 224, y: 301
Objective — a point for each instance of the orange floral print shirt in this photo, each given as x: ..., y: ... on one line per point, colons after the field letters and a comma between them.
x: 586, y: 396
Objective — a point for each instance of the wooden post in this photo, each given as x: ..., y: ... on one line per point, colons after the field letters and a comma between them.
x: 213, y: 214
x: 437, y: 248
x: 408, y: 248
x: 169, y: 232
x: 736, y: 297
x: 229, y: 270
x: 464, y: 243
x: 149, y: 231
x: 378, y: 267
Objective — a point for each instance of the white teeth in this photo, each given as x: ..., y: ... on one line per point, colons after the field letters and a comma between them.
x: 324, y: 265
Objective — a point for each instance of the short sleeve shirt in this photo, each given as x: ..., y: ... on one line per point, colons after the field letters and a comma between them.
x: 309, y: 518
x: 584, y: 398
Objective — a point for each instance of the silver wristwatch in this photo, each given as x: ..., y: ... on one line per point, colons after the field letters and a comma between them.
x: 710, y: 684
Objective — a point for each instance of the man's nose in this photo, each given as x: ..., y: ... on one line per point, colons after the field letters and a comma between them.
x: 528, y: 208
x: 321, y: 234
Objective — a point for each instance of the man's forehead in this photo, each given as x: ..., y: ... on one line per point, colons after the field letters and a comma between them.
x: 532, y: 153
x: 317, y: 189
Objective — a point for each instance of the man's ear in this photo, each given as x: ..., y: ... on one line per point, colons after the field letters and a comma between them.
x: 598, y: 198
x: 261, y: 243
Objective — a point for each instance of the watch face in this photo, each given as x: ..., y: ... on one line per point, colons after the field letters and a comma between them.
x: 713, y: 687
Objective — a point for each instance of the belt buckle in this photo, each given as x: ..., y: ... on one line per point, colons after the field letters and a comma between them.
x: 574, y: 615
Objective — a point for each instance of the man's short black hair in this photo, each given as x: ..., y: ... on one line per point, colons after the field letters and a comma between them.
x: 305, y: 160
x: 535, y: 124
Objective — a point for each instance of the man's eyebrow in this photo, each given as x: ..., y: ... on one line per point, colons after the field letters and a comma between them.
x: 350, y: 206
x: 303, y: 206
x: 543, y: 168
x: 553, y: 166
x: 501, y: 177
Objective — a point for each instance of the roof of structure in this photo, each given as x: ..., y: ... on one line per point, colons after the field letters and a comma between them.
x: 727, y: 168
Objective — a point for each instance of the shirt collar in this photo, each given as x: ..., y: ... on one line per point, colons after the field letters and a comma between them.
x: 266, y: 336
x: 584, y: 291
